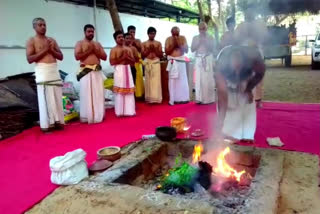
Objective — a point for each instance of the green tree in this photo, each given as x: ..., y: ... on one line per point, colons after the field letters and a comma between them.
x: 213, y: 12
x: 263, y: 10
x: 188, y: 5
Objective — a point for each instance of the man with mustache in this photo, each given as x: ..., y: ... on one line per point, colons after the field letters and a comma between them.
x: 45, y: 52
x: 152, y: 53
x: 89, y: 53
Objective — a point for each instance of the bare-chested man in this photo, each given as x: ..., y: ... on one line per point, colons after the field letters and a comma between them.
x: 136, y: 42
x: 137, y: 74
x: 91, y: 78
x: 128, y: 42
x: 121, y: 57
x: 253, y: 32
x: 152, y: 52
x: 176, y: 46
x: 44, y: 51
x: 228, y: 37
x: 203, y: 45
x: 239, y: 69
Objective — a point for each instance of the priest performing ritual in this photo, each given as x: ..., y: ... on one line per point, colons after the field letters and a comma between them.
x: 239, y: 70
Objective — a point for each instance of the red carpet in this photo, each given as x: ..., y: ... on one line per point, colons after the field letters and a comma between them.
x: 24, y: 159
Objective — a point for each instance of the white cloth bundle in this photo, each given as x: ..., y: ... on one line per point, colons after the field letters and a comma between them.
x: 69, y: 169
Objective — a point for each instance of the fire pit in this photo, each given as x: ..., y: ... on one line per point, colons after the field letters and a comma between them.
x: 274, y: 182
x: 179, y: 169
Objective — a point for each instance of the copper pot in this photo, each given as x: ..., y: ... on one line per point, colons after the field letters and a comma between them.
x: 110, y: 153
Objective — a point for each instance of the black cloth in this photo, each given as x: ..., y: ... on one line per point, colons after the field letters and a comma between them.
x: 134, y: 74
x: 85, y: 71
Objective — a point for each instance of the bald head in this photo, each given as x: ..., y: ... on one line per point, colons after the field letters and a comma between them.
x: 203, y: 27
x: 175, y: 31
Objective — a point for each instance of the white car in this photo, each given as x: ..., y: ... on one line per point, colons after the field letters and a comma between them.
x: 315, y: 53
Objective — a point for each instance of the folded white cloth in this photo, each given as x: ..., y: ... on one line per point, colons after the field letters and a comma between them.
x: 275, y: 141
x: 46, y: 72
x: 174, y: 65
x: 69, y: 169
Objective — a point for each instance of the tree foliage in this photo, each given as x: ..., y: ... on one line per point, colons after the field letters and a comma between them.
x: 216, y: 12
x: 188, y: 5
x: 213, y: 12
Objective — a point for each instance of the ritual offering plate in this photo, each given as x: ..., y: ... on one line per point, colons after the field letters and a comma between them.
x: 100, y: 165
x: 197, y: 133
x: 110, y: 153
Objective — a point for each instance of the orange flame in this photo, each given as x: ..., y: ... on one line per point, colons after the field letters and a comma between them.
x: 198, y: 149
x: 223, y: 169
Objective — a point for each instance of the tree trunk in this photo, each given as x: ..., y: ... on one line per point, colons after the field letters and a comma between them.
x: 209, y: 19
x: 233, y: 8
x: 209, y: 7
x: 200, y: 10
x: 223, y: 20
x: 216, y: 32
x: 113, y: 10
x: 219, y: 9
x: 220, y: 21
x: 214, y: 22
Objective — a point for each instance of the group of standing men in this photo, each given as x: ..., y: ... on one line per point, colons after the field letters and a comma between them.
x: 126, y: 58
x: 130, y: 56
x: 239, y: 63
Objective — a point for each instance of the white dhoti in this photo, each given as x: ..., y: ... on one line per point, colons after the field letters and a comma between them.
x: 204, y: 79
x: 153, y: 90
x: 49, y: 88
x: 178, y: 80
x: 92, y: 108
x: 240, y: 121
x: 124, y: 91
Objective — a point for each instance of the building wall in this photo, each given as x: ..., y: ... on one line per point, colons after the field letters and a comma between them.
x: 65, y: 23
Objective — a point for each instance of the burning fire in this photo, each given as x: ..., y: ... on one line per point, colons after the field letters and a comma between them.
x: 223, y: 169
x: 198, y: 149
